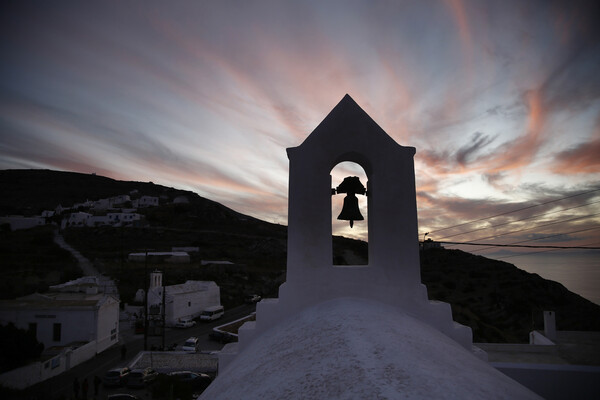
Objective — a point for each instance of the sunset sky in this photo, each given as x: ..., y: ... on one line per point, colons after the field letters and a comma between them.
x: 501, y: 100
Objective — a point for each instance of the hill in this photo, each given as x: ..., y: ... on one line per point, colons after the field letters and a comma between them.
x: 500, y: 302
x: 29, y: 192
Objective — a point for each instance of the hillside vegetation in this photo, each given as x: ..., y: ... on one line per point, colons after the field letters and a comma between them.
x: 30, y: 261
x: 31, y: 191
x: 500, y: 302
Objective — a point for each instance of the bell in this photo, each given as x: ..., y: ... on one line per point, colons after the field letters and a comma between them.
x: 350, y: 211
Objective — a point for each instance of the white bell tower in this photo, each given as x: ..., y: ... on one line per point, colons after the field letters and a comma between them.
x: 393, y: 274
x: 156, y: 279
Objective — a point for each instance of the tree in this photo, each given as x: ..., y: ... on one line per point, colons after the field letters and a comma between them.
x: 17, y: 347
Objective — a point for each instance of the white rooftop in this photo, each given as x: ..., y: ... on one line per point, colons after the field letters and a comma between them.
x: 84, y: 280
x: 190, y: 286
x: 161, y: 253
x: 352, y: 348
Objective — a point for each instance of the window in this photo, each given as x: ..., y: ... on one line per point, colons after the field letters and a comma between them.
x: 33, y: 328
x: 56, y: 332
x: 189, y: 303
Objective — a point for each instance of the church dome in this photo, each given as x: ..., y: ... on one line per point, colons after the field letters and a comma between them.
x: 351, y: 348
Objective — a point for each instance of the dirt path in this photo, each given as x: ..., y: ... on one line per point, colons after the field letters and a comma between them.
x: 87, y: 267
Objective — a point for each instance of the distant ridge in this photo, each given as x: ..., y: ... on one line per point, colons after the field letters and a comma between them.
x: 30, y: 191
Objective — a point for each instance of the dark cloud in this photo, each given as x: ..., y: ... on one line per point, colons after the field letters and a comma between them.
x: 572, y: 82
x: 456, y: 161
x: 549, y: 212
x: 478, y: 142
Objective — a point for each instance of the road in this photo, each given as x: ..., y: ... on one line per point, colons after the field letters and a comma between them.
x: 61, y: 387
x: 201, y: 330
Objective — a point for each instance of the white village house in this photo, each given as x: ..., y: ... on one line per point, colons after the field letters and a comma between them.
x: 183, y: 301
x: 74, y: 321
x: 64, y: 318
x: 47, y: 214
x: 173, y: 257
x: 119, y: 217
x: 85, y: 204
x: 111, y: 202
x: 145, y: 201
x: 17, y: 222
x: 78, y: 218
x: 123, y: 218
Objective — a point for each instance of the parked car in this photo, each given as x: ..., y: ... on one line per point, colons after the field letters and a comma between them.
x: 185, y: 323
x: 116, y: 377
x: 191, y: 345
x: 141, y: 377
x: 222, y: 337
x: 194, y: 379
x: 253, y: 298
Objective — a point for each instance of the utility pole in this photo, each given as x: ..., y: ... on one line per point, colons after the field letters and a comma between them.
x: 121, y: 272
x: 146, y: 301
x: 164, y: 310
x: 426, y: 233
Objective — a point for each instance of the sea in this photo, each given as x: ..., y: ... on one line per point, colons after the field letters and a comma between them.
x: 578, y: 271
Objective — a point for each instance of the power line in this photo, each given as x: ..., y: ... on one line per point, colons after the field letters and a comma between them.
x: 520, y: 220
x: 535, y: 252
x: 518, y: 244
x: 522, y: 245
x: 549, y: 236
x: 517, y: 210
x: 558, y: 234
x: 536, y: 227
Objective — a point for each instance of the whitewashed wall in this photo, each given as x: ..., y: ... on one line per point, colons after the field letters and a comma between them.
x: 23, y: 377
x: 192, y: 304
x: 107, y: 333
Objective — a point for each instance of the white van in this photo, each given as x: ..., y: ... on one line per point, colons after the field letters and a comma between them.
x: 185, y: 323
x: 214, y: 312
x: 191, y: 345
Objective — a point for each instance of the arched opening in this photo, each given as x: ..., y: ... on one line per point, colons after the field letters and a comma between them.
x: 350, y: 244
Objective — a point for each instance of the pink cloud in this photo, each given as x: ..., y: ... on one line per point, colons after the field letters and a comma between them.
x: 581, y: 159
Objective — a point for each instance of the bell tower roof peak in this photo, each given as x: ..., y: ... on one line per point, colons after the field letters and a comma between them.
x: 348, y: 121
